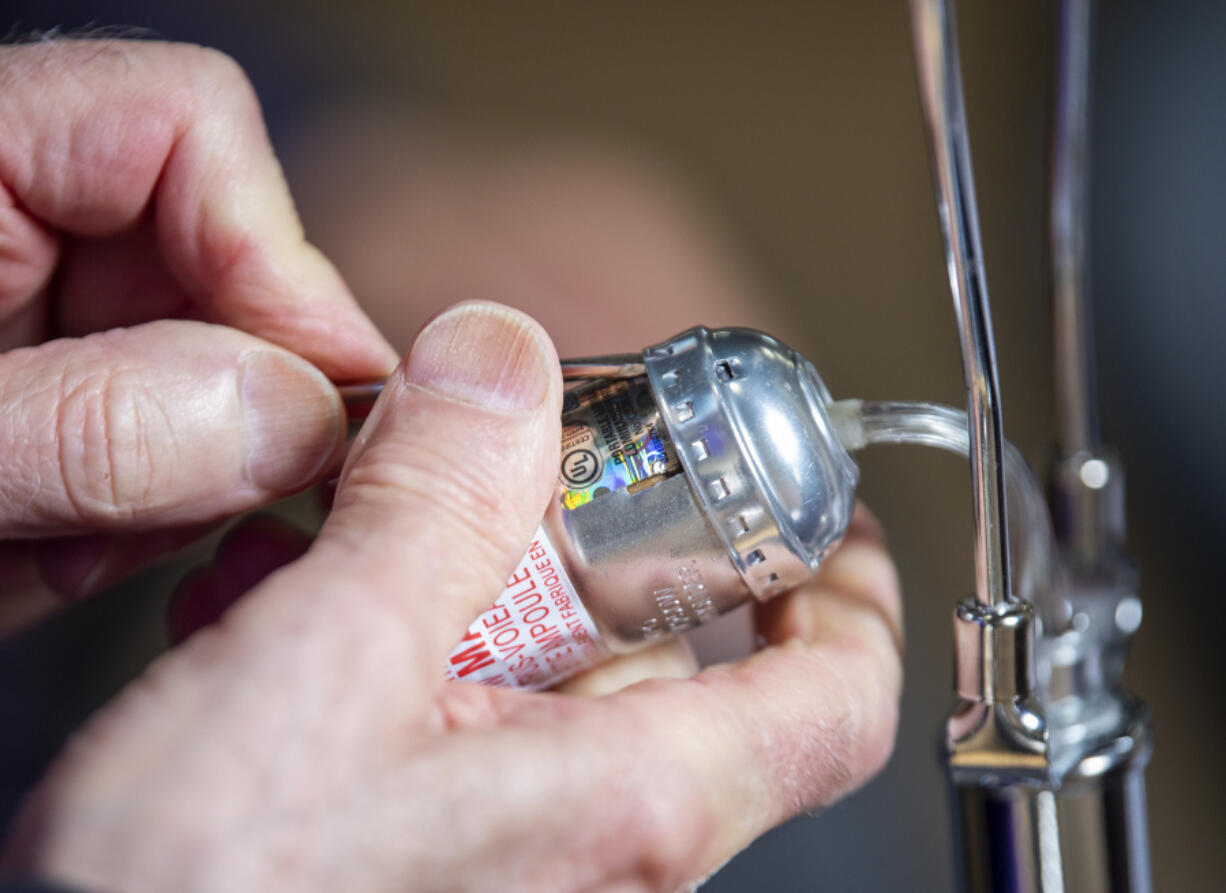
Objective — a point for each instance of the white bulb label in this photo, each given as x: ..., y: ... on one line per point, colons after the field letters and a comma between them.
x: 536, y: 634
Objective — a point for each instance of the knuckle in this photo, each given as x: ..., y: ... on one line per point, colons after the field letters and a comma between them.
x: 667, y: 835
x: 111, y: 435
x: 219, y: 75
x: 217, y: 66
x: 822, y: 742
x: 853, y: 739
x: 669, y: 844
x: 52, y: 53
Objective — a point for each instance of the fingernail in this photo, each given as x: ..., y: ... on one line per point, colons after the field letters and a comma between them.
x: 483, y: 354
x: 293, y: 420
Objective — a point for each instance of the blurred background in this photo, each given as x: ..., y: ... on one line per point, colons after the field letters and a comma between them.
x: 675, y: 163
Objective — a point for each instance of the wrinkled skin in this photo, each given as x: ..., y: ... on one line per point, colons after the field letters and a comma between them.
x: 306, y: 739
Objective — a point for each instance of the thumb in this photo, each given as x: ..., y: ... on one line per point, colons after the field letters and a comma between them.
x: 448, y: 479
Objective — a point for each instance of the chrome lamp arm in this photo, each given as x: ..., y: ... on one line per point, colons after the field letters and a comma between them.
x: 1045, y: 750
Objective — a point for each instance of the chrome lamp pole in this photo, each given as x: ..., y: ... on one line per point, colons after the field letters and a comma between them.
x: 1045, y: 749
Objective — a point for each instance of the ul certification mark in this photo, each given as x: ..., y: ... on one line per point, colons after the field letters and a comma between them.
x: 581, y: 464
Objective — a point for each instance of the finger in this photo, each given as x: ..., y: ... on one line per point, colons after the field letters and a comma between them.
x: 670, y: 659
x: 251, y: 551
x: 114, y: 282
x: 446, y: 482
x: 26, y: 597
x: 722, y: 757
x: 28, y: 324
x: 166, y: 424
x: 100, y: 132
x: 742, y: 747
x: 28, y: 254
x: 860, y: 556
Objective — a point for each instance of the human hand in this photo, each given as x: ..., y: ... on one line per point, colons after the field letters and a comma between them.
x: 308, y: 741
x: 145, y: 226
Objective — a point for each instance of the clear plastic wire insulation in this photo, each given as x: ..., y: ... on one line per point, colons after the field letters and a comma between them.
x: 860, y: 424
